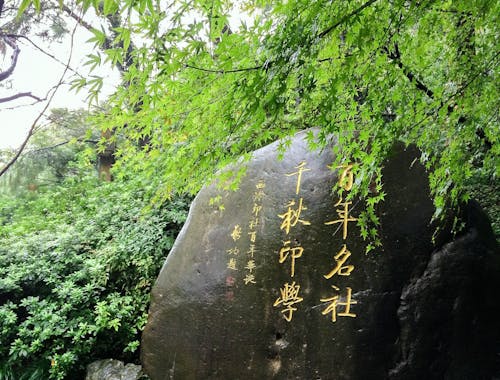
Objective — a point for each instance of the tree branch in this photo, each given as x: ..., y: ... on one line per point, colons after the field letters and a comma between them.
x: 20, y: 95
x: 77, y: 18
x: 7, y: 73
x: 453, y: 11
x: 446, y: 102
x: 395, y: 56
x: 483, y: 71
x: 267, y: 64
x: 240, y: 70
x: 49, y: 91
x: 61, y: 144
x: 345, y: 18
x: 114, y: 21
x: 18, y: 36
x: 37, y: 119
x: 224, y: 71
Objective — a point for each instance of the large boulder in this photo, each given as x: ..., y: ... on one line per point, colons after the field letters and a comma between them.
x: 272, y: 282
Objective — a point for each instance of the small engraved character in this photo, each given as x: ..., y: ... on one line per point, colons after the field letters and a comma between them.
x: 249, y: 279
x: 253, y: 236
x: 256, y: 209
x: 236, y: 234
x: 251, y: 250
x: 250, y: 265
x: 233, y: 251
x: 231, y: 264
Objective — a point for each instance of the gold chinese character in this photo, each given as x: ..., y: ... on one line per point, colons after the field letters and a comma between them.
x: 251, y: 250
x: 258, y: 195
x: 233, y: 251
x: 292, y: 217
x: 236, y: 234
x: 293, y: 252
x: 340, y: 268
x: 301, y: 169
x: 346, y: 177
x: 253, y: 236
x: 231, y: 264
x: 256, y: 209
x: 249, y: 279
x: 289, y: 297
x: 253, y: 223
x: 343, y: 215
x: 335, y: 301
x: 250, y: 265
x: 260, y: 185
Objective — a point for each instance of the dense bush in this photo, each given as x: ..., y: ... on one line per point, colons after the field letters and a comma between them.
x: 77, y: 263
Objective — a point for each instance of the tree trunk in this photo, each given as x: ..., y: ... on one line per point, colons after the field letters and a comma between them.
x: 106, y: 159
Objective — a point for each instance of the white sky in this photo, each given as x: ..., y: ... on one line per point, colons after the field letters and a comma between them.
x: 37, y: 73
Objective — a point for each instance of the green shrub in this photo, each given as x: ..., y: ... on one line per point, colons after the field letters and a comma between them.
x: 77, y: 263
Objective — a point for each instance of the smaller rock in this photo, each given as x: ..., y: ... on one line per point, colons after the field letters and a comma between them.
x: 111, y: 369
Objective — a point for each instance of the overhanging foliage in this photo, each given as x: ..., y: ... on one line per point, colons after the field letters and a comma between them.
x: 201, y: 90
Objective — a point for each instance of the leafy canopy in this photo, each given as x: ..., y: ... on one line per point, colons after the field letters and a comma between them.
x: 203, y: 89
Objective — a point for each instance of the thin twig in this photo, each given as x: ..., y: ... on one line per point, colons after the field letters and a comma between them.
x: 18, y: 36
x: 447, y: 101
x: 395, y: 56
x: 345, y: 18
x: 7, y: 73
x: 61, y: 144
x: 77, y: 18
x: 223, y: 71
x: 39, y: 100
x: 268, y: 64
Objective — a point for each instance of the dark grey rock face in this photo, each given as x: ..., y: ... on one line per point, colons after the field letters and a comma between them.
x: 449, y: 315
x: 272, y: 282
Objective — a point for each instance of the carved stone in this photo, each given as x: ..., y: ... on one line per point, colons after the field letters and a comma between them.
x: 406, y: 311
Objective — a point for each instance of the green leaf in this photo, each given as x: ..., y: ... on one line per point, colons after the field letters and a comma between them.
x: 37, y: 5
x: 23, y: 6
x: 99, y: 37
